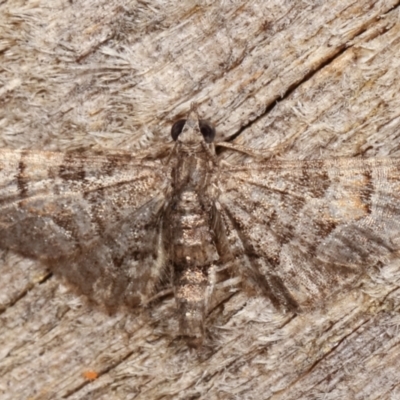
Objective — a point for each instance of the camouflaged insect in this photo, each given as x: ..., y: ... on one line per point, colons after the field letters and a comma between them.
x: 117, y: 226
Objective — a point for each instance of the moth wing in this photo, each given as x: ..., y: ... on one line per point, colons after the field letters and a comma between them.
x: 95, y: 219
x: 299, y: 230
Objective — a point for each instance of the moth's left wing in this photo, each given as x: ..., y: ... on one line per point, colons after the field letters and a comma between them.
x: 301, y: 229
x: 96, y: 219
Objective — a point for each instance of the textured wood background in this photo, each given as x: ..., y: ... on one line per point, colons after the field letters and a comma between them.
x: 317, y: 79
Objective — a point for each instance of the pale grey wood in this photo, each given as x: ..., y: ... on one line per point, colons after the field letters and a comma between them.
x: 314, y: 79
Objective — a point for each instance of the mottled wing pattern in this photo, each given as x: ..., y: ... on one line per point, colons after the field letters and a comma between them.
x: 298, y: 230
x: 95, y: 219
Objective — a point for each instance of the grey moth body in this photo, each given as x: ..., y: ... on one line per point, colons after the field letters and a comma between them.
x: 117, y: 226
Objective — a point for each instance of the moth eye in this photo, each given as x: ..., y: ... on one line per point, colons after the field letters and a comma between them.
x: 177, y: 128
x: 207, y: 130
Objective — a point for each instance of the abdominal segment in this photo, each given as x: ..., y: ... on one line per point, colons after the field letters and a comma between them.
x: 192, y: 253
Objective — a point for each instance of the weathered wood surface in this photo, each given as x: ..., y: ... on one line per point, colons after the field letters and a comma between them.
x: 318, y: 78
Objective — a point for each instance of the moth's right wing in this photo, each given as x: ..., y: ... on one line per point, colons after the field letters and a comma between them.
x: 300, y: 230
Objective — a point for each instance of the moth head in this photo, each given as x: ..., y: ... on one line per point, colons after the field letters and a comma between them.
x: 193, y: 130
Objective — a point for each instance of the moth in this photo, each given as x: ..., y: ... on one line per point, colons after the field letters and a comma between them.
x: 118, y: 226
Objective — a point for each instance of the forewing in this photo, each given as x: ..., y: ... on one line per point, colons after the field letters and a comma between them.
x: 95, y: 219
x: 299, y: 230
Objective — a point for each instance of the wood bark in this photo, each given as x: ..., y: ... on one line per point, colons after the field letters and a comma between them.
x: 306, y: 79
